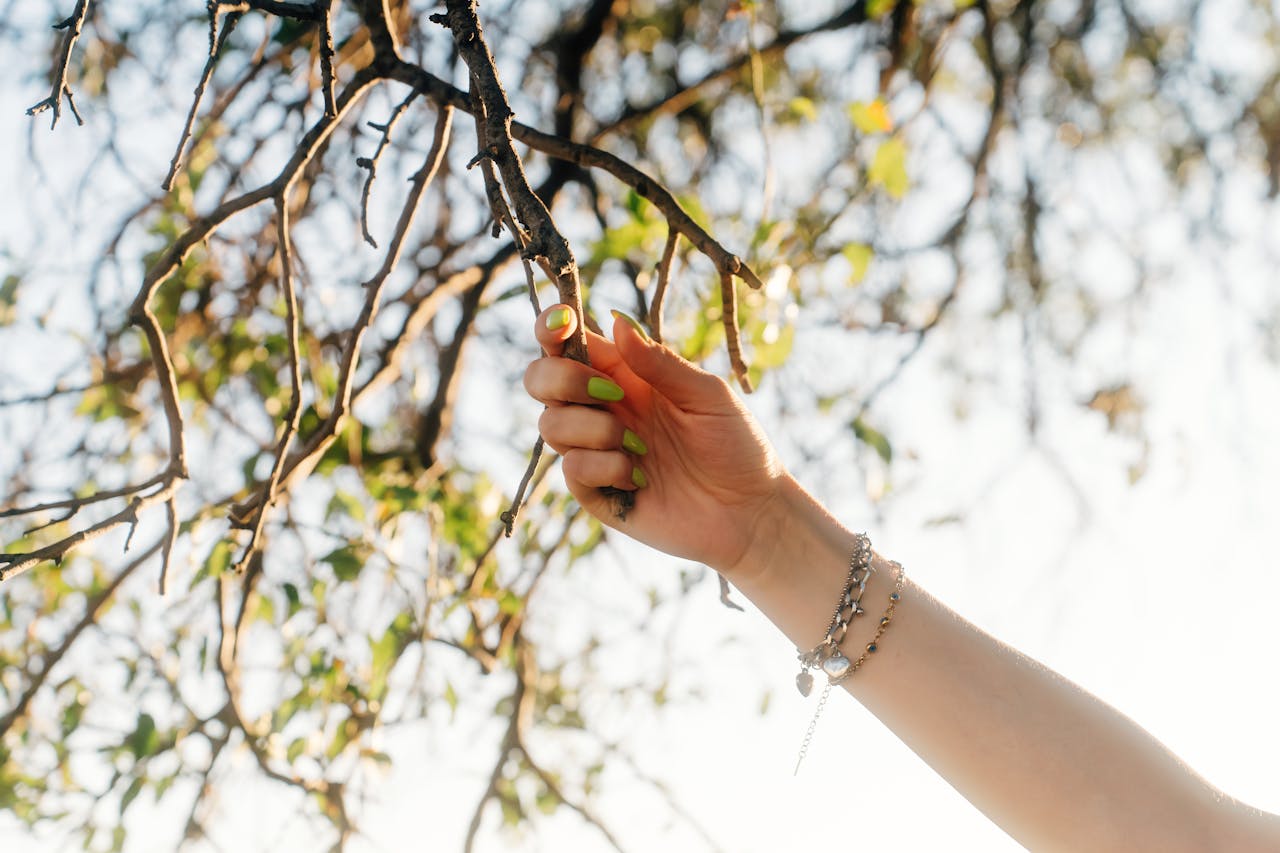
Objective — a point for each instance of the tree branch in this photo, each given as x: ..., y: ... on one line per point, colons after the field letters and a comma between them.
x: 545, y: 240
x: 732, y: 336
x: 73, y: 25
x: 216, y: 41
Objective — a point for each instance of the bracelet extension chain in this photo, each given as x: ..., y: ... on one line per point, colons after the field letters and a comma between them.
x: 827, y: 655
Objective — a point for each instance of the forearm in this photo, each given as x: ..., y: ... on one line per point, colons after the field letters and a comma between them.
x: 1052, y: 765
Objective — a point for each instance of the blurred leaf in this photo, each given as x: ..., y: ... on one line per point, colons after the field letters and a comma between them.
x: 859, y: 256
x: 802, y: 108
x: 871, y: 117
x: 889, y: 167
x: 873, y: 439
x: 145, y: 740
x: 347, y: 561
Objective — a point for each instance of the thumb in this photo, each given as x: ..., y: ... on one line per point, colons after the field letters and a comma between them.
x: 688, y: 386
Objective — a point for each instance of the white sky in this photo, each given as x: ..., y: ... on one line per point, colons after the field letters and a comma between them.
x: 1161, y: 601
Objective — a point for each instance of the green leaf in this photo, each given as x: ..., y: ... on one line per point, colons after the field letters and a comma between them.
x: 802, y: 108
x: 218, y: 561
x: 639, y: 208
x: 889, y: 167
x: 9, y: 299
x: 451, y: 696
x: 873, y: 439
x: 345, y: 502
x: 131, y: 793
x: 145, y: 740
x: 346, y: 562
x: 859, y: 257
x: 510, y: 603
x: 295, y: 600
x: 880, y: 8
x: 296, y: 746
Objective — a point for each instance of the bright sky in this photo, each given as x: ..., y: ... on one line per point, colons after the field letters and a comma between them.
x: 1160, y: 598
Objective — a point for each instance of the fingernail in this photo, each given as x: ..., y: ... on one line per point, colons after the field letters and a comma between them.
x: 603, y: 389
x: 638, y: 478
x: 558, y: 318
x: 633, y: 322
x: 632, y: 443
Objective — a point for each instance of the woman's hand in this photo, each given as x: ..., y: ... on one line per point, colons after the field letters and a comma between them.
x: 643, y: 419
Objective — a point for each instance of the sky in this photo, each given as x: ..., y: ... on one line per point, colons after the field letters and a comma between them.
x: 1157, y: 596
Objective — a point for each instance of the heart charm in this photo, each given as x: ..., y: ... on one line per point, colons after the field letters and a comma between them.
x: 836, y: 666
x: 804, y: 682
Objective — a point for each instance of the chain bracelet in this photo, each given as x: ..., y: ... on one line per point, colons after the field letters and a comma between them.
x: 850, y: 600
x: 836, y: 665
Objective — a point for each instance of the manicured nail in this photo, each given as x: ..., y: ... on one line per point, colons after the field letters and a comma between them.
x: 603, y: 389
x: 638, y: 478
x: 632, y: 443
x: 558, y: 318
x: 633, y: 322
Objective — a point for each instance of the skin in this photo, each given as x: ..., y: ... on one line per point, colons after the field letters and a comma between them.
x: 1051, y: 764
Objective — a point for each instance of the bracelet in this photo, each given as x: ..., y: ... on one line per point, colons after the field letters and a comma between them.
x: 827, y: 654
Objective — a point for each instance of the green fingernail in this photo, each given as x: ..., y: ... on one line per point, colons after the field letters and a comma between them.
x: 632, y: 443
x: 633, y: 322
x: 558, y: 319
x: 638, y: 478
x: 603, y: 389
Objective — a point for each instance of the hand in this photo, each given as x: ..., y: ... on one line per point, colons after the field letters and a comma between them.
x: 643, y: 419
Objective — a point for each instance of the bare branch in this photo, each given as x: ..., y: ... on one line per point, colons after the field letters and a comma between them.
x: 732, y: 335
x: 509, y: 515
x: 585, y: 155
x: 325, y: 8
x: 298, y: 11
x: 660, y: 290
x: 328, y: 431
x: 725, y: 592
x: 12, y: 565
x: 73, y: 25
x: 686, y: 96
x: 170, y: 539
x: 291, y: 418
x: 216, y: 41
x: 77, y: 504
x: 371, y: 163
x: 545, y: 239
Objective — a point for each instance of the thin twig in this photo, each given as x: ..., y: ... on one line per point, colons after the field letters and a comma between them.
x: 509, y: 515
x: 328, y: 431
x: 12, y: 565
x: 660, y: 290
x: 725, y: 593
x: 325, y: 9
x: 73, y: 24
x: 290, y: 427
x: 545, y: 240
x: 77, y: 504
x: 170, y: 540
x: 216, y: 41
x: 371, y: 163
x: 587, y: 156
x: 686, y: 96
x: 732, y: 335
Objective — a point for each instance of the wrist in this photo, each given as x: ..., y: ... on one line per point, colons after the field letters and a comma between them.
x: 792, y: 532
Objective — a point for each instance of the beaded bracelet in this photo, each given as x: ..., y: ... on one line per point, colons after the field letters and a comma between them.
x: 827, y: 654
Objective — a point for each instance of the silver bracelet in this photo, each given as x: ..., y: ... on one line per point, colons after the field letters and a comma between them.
x: 827, y: 654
